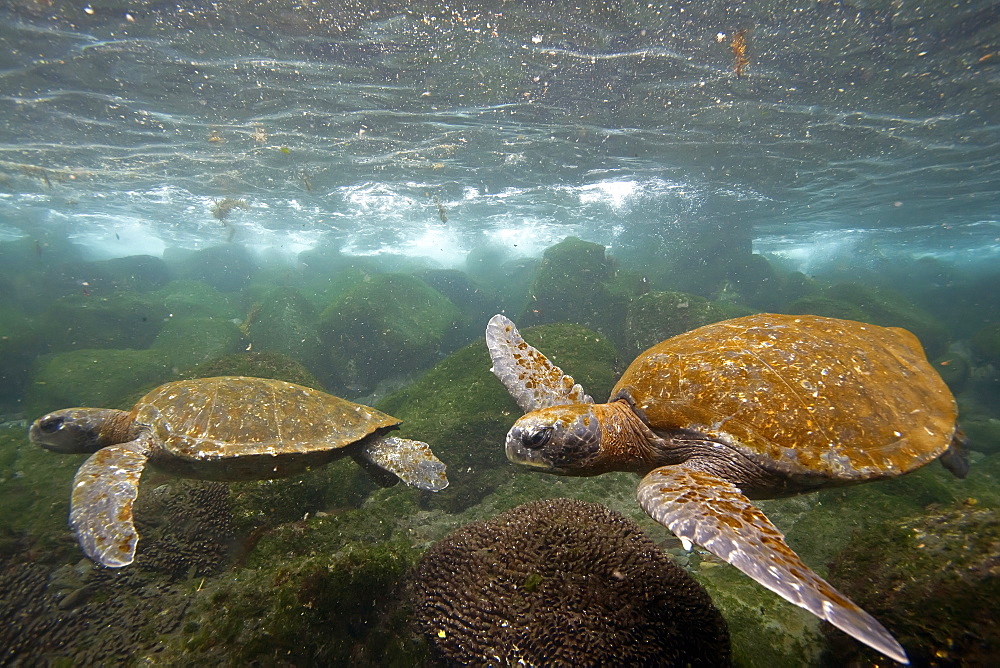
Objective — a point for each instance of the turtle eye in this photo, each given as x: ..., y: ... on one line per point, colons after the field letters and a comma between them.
x: 50, y: 424
x: 537, y: 438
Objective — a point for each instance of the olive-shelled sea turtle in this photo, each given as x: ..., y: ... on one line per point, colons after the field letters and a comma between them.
x: 226, y: 428
x: 756, y: 407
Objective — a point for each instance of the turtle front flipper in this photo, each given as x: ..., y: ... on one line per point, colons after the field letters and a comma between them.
x: 413, y: 462
x: 701, y: 508
x: 101, y: 506
x: 528, y: 375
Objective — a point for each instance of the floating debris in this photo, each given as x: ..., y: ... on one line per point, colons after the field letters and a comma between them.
x: 223, y: 207
x: 739, y: 48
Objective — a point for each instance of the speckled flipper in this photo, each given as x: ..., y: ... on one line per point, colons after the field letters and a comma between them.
x: 412, y: 461
x: 528, y: 375
x: 700, y: 508
x: 101, y: 506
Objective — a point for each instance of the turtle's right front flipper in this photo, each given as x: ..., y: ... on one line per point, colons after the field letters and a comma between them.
x: 701, y: 508
x: 411, y: 461
x: 101, y: 506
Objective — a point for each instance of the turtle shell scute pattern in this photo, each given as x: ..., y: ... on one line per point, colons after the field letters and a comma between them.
x: 799, y: 394
x: 233, y: 416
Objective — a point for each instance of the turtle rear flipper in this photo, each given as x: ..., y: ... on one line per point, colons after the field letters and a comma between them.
x: 532, y: 380
x: 701, y: 508
x: 101, y: 507
x: 410, y: 461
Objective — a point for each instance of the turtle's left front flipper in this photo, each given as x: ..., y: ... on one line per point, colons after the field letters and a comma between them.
x: 104, y: 489
x: 532, y: 380
x: 701, y: 508
x: 413, y: 462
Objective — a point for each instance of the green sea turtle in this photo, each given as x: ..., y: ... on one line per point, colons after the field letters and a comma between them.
x: 226, y: 428
x: 756, y: 407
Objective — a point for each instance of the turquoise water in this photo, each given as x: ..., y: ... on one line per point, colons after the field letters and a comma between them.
x: 184, y: 181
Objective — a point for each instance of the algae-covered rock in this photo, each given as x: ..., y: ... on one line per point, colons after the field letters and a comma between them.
x: 123, y: 320
x: 463, y: 411
x: 985, y: 343
x: 20, y: 342
x: 879, y: 306
x: 954, y: 368
x: 260, y: 504
x: 102, y: 378
x: 934, y: 580
x: 35, y: 486
x: 656, y: 316
x: 284, y: 321
x: 766, y: 630
x: 259, y: 365
x: 195, y: 298
x: 983, y: 434
x: 135, y: 273
x: 332, y: 608
x: 389, y: 325
x: 475, y: 303
x: 185, y: 342
x: 571, y: 286
x: 227, y: 268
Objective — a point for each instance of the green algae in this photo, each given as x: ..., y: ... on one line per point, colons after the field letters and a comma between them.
x: 122, y: 320
x: 265, y: 504
x: 657, y: 315
x: 259, y: 365
x: 332, y: 608
x: 766, y: 631
x: 185, y: 342
x: 878, y: 306
x: 284, y: 321
x: 462, y: 410
x: 985, y: 343
x: 934, y: 579
x: 386, y: 326
x: 35, y: 487
x: 571, y: 285
x: 103, y: 377
x: 189, y: 298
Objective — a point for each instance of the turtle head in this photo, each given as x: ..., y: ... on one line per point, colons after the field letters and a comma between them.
x: 77, y: 430
x: 565, y: 440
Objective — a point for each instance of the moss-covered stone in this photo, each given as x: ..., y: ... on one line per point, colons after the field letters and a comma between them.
x: 284, y: 321
x: 657, y: 316
x: 934, y: 579
x: 879, y: 306
x: 571, y: 286
x: 227, y: 267
x: 955, y: 370
x: 463, y: 411
x: 985, y: 344
x: 35, y: 487
x: 766, y: 630
x: 330, y: 608
x: 189, y: 298
x: 124, y: 320
x: 259, y: 505
x: 20, y: 342
x: 474, y: 301
x: 983, y: 434
x: 185, y: 342
x: 135, y: 273
x: 389, y: 325
x: 101, y: 378
x: 258, y: 365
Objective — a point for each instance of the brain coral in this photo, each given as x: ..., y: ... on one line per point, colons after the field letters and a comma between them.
x: 562, y: 582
